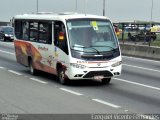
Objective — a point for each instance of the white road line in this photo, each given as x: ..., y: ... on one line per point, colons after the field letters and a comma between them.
x: 141, y: 59
x: 7, y: 52
x: 70, y: 91
x: 135, y: 83
x: 12, y: 44
x: 1, y: 67
x: 14, y: 72
x: 141, y: 68
x: 106, y: 103
x: 37, y: 80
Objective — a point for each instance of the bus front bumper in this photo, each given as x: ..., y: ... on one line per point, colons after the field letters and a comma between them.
x: 92, y: 73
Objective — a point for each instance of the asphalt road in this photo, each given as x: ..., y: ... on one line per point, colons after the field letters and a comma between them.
x: 137, y: 90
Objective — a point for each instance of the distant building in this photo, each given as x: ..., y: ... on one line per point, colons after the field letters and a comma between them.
x: 4, y: 23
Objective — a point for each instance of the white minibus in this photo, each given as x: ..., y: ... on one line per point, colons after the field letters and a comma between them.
x: 70, y: 45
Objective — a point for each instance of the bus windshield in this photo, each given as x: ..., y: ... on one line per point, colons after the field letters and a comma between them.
x: 91, y: 35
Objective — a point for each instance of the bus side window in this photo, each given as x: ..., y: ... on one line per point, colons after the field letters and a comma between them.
x: 45, y: 35
x: 25, y: 30
x: 18, y: 29
x: 50, y: 34
x: 60, y: 32
x: 33, y: 31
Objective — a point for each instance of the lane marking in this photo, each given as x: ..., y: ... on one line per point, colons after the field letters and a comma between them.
x: 141, y: 68
x: 14, y: 72
x: 1, y: 67
x: 70, y: 91
x: 37, y: 80
x: 106, y: 103
x: 141, y: 59
x: 12, y: 44
x: 126, y: 110
x: 135, y: 83
x: 7, y: 52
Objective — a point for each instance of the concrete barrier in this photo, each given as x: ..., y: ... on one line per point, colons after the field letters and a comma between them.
x: 140, y: 51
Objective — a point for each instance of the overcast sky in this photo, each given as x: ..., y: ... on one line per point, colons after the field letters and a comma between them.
x: 116, y: 10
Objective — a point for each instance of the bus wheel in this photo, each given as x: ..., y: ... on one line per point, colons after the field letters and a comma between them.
x: 106, y: 81
x: 3, y: 39
x: 61, y: 76
x: 31, y: 68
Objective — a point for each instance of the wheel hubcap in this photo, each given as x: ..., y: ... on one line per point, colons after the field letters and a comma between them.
x: 62, y: 76
x: 31, y: 68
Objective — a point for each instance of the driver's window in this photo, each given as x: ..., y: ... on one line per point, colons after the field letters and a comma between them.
x: 60, y: 39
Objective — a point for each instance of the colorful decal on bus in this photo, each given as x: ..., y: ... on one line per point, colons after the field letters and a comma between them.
x: 25, y: 49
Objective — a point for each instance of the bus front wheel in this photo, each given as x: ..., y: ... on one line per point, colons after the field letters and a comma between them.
x: 61, y: 76
x: 106, y: 81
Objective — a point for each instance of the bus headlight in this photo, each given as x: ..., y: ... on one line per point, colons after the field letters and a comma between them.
x: 75, y: 65
x: 117, y: 64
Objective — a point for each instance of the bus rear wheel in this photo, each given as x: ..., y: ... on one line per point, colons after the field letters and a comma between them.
x: 32, y: 70
x: 61, y: 76
x: 105, y: 81
x: 3, y: 39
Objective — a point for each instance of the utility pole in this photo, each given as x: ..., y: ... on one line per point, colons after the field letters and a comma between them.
x: 103, y: 7
x: 85, y: 6
x: 37, y: 6
x: 76, y: 6
x: 151, y: 14
x: 149, y: 42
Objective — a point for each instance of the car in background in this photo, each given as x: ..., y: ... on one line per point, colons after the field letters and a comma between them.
x: 6, y: 33
x: 143, y: 36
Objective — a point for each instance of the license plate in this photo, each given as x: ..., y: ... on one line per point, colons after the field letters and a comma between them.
x: 100, y: 77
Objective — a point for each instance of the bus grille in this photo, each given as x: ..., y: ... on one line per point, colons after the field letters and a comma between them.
x: 98, y: 73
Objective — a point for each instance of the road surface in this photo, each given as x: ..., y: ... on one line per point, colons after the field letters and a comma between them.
x: 137, y: 90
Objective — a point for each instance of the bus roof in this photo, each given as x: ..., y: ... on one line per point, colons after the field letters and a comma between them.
x: 59, y: 16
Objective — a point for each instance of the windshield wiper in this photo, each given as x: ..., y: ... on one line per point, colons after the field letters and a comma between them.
x: 95, y: 50
x: 87, y: 48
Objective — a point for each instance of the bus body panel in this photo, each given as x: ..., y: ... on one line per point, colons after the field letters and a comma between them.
x: 25, y: 50
x: 45, y: 57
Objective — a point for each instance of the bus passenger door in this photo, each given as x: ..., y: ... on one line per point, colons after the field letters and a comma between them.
x: 60, y: 42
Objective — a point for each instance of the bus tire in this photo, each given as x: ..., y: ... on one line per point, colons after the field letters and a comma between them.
x: 61, y: 76
x: 105, y: 81
x: 32, y: 70
x: 3, y: 39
